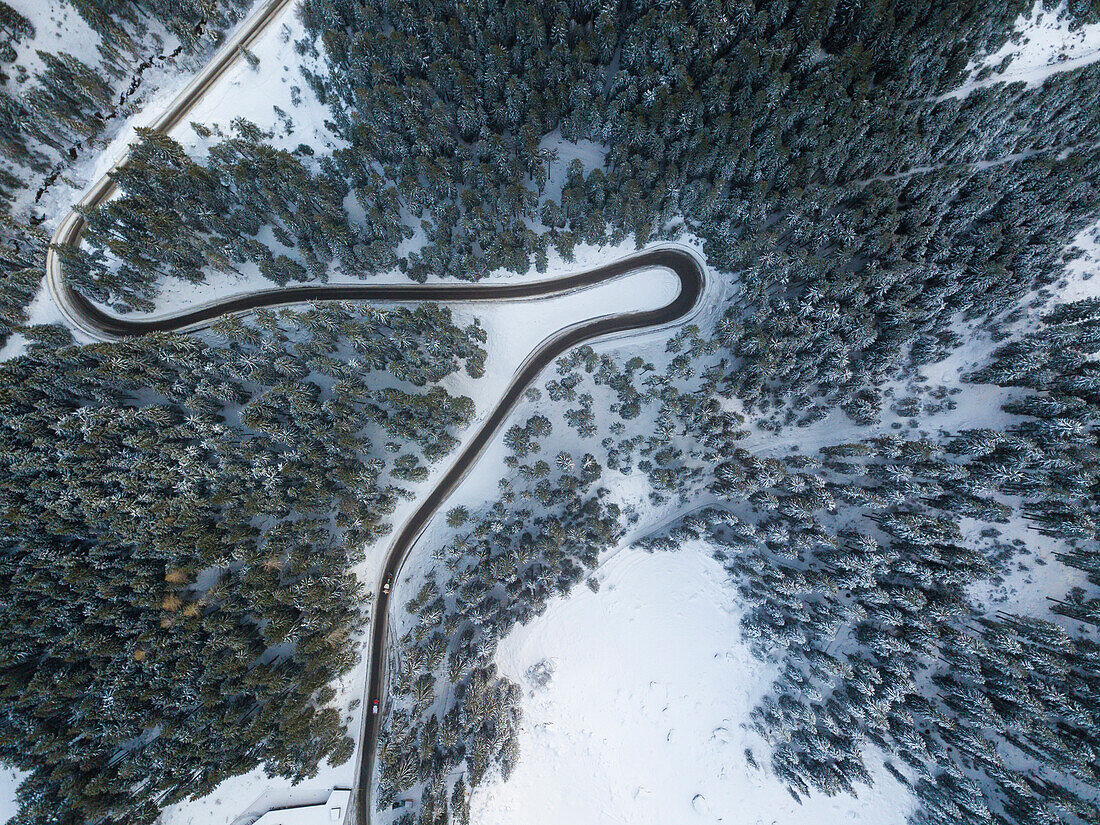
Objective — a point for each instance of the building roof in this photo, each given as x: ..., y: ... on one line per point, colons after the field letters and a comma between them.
x: 331, y: 812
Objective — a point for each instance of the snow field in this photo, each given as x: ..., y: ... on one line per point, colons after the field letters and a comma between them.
x: 1042, y: 45
x: 641, y: 719
x: 9, y: 782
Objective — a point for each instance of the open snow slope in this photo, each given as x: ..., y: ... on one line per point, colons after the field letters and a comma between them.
x: 1042, y: 44
x: 641, y: 719
x: 9, y: 781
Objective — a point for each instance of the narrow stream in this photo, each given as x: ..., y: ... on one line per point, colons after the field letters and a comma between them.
x: 135, y: 84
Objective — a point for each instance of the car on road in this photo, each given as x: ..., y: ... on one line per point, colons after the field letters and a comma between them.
x: 387, y: 585
x: 374, y: 707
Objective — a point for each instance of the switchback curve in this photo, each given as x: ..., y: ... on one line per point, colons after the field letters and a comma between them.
x: 690, y: 273
x: 685, y: 265
x: 98, y: 324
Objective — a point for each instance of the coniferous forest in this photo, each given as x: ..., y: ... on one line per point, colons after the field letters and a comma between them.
x: 180, y: 518
x: 889, y: 406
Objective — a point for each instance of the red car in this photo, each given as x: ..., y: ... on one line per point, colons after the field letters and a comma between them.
x: 387, y: 584
x: 374, y: 707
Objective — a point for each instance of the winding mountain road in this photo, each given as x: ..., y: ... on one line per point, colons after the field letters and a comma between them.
x: 100, y: 325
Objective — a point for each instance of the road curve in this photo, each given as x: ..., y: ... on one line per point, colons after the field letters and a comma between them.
x: 688, y: 269
x: 71, y: 227
x: 100, y: 325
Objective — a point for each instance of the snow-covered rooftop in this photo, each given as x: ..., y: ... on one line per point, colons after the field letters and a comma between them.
x: 333, y: 810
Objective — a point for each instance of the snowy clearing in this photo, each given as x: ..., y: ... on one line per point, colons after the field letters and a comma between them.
x: 1043, y: 45
x: 9, y: 782
x: 635, y: 698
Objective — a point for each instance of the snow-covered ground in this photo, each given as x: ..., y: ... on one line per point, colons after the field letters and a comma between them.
x: 515, y: 329
x: 1042, y: 44
x: 590, y: 154
x: 9, y: 782
x: 57, y: 28
x: 255, y: 93
x: 641, y: 717
x: 1078, y: 281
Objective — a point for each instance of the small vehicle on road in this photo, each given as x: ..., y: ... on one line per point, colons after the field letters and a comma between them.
x: 387, y: 585
x: 374, y: 707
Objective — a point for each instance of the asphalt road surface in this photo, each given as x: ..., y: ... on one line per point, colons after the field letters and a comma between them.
x: 682, y: 263
x: 690, y: 273
x: 101, y: 325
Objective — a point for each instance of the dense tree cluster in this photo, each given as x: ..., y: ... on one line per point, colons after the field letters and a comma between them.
x: 504, y: 566
x: 176, y: 217
x: 180, y: 518
x: 860, y: 584
x: 22, y: 249
x: 809, y: 144
x: 682, y: 426
x: 14, y: 28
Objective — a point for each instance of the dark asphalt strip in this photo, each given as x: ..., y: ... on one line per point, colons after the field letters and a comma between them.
x: 113, y: 326
x: 683, y: 264
x: 690, y: 274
